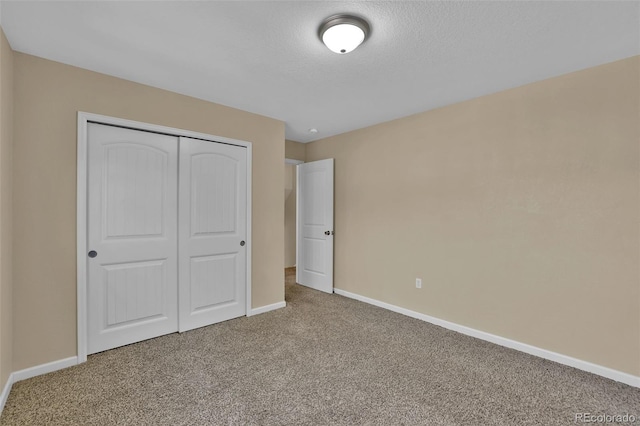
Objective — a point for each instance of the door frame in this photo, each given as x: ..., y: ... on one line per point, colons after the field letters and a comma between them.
x: 84, y: 118
x: 292, y: 161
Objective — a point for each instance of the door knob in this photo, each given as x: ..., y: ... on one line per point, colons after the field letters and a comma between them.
x: 242, y: 243
x: 93, y: 254
x: 327, y: 232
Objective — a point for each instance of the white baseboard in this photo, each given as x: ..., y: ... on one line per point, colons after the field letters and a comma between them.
x: 267, y: 308
x: 600, y: 370
x: 49, y: 367
x: 28, y: 373
x: 5, y: 392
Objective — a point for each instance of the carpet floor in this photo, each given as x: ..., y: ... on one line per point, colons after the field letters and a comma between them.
x: 322, y: 360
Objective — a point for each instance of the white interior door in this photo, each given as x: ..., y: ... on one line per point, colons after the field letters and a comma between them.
x: 212, y: 232
x: 131, y: 236
x: 315, y: 225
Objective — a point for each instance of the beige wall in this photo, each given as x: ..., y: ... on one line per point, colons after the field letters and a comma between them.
x: 294, y: 151
x: 290, y: 216
x: 47, y: 98
x: 519, y: 210
x: 6, y: 225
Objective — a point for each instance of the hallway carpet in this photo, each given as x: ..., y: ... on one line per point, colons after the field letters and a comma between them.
x: 322, y: 360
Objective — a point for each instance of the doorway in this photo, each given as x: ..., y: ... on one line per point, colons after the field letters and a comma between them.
x: 290, y: 214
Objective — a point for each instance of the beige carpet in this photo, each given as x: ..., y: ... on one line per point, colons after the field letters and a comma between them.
x: 323, y: 360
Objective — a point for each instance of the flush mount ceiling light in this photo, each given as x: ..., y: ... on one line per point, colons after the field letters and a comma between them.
x: 343, y: 33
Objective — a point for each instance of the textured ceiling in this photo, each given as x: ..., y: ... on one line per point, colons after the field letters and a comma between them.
x: 265, y: 56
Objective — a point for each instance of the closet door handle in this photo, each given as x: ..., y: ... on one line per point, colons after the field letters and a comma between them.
x: 242, y: 243
x: 92, y: 254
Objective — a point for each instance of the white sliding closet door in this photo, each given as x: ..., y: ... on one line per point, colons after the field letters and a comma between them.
x: 212, y: 232
x: 131, y: 236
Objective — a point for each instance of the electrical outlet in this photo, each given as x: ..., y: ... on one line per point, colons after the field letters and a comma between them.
x: 418, y: 282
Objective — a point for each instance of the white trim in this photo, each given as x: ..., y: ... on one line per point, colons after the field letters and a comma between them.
x: 138, y: 125
x: 81, y: 207
x: 28, y: 373
x: 249, y: 221
x: 600, y: 370
x: 292, y: 161
x: 267, y: 308
x: 5, y: 392
x: 297, y: 222
x: 41, y: 369
x: 81, y: 236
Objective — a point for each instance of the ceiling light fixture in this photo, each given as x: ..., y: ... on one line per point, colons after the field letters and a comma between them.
x: 343, y: 33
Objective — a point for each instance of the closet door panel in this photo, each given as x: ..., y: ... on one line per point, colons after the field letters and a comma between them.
x: 131, y: 236
x: 212, y: 232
